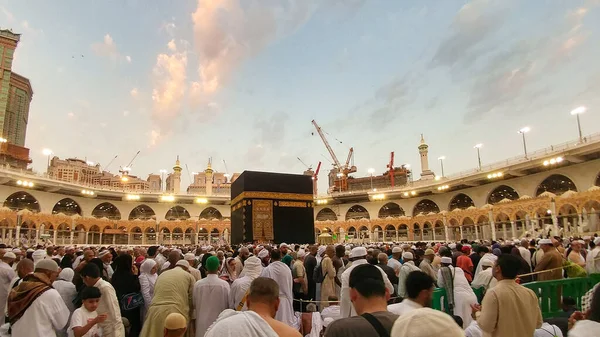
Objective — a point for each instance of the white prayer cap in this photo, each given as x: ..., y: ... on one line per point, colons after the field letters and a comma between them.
x: 69, y: 248
x: 545, y: 242
x: 405, y: 245
x: 485, y: 263
x: 283, y: 244
x: 189, y: 257
x: 183, y: 263
x: 396, y: 250
x: 446, y: 259
x: 347, y: 247
x: 597, y: 241
x: 581, y: 242
x: 301, y: 253
x: 321, y: 250
x: 30, y: 250
x: 175, y: 321
x: 452, y: 246
x: 407, y: 256
x: 47, y: 265
x: 9, y: 255
x: 263, y: 253
x: 358, y: 252
x: 16, y: 251
x: 161, y: 248
x: 413, y: 247
x: 347, y: 253
x: 103, y: 253
x: 425, y: 322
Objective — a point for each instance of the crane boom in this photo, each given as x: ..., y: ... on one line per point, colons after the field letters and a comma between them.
x: 109, y: 163
x: 320, y: 132
x: 391, y: 168
x: 316, y: 179
x: 350, y: 153
x: 226, y: 170
x: 131, y: 162
x: 308, y: 167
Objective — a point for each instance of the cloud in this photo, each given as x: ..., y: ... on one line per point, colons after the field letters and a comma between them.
x: 134, y: 92
x: 126, y: 113
x: 475, y: 22
x: 227, y: 33
x: 270, y: 135
x: 170, y: 28
x: 128, y: 58
x: 106, y: 48
x: 171, y: 45
x: 7, y: 14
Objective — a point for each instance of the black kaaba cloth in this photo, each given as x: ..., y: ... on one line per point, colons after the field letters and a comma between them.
x: 272, y: 207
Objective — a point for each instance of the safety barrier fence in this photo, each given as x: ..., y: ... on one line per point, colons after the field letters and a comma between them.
x: 549, y: 293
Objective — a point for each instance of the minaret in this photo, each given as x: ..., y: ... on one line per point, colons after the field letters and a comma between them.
x: 426, y: 174
x: 208, y: 174
x: 177, y: 177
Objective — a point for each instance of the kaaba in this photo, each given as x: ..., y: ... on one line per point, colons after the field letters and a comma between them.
x: 272, y: 207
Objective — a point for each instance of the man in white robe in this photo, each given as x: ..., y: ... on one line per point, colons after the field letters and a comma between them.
x: 210, y: 297
x: 485, y: 278
x: 7, y: 274
x: 282, y: 274
x: 241, y: 259
x: 47, y: 312
x: 240, y: 287
x: 487, y: 256
x: 258, y: 321
x: 408, y: 267
x: 464, y: 295
x: 360, y: 256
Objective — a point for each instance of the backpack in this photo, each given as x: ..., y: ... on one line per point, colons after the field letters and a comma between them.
x: 318, y: 276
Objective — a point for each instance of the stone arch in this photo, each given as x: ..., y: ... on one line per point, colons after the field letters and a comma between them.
x: 177, y: 235
x: 351, y: 232
x: 390, y: 210
x: 63, y: 234
x: 389, y: 233
x: 135, y: 236
x: 417, y: 233
x: 567, y: 217
x: 453, y: 229
x: 502, y: 192
x: 106, y: 210
x: 460, y: 201
x: 468, y: 229
x: 215, y: 235
x: 438, y: 230
x: 425, y: 206
x: 502, y: 224
x: 556, y: 184
x: 378, y: 233
x: 142, y: 212
x: 177, y: 213
x: 189, y: 237
x: 22, y: 200
x: 150, y: 235
x: 211, y: 213
x: 93, y: 235
x: 427, y: 231
x: 363, y: 232
x: 403, y: 232
x: 67, y: 206
x: 357, y: 212
x: 203, y: 235
x: 326, y: 214
x: 520, y: 222
x: 591, y: 216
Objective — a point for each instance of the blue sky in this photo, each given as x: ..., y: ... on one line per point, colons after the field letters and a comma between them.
x: 241, y: 80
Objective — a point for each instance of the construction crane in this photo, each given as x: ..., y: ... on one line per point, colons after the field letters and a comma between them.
x: 226, y: 171
x: 315, y: 178
x: 351, y: 169
x: 109, y: 163
x: 391, y: 168
x: 340, y: 177
x: 126, y: 169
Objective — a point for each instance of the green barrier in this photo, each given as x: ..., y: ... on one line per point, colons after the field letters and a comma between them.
x: 548, y: 292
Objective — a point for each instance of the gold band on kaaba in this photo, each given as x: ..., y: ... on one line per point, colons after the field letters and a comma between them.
x: 272, y: 196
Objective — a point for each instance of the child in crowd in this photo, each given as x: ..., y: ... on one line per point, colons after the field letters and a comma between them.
x: 85, y: 319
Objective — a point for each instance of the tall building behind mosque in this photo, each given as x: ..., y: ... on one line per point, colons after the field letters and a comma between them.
x: 15, y: 96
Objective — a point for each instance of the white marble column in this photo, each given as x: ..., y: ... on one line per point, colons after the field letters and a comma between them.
x: 115, y: 239
x: 100, y: 238
x: 504, y: 230
x: 529, y: 224
x: 476, y: 233
x: 128, y: 239
x: 446, y: 228
x: 87, y: 234
x: 492, y: 224
x: 578, y: 228
x: 10, y: 237
x: 397, y: 235
x: 513, y: 229
x: 143, y: 238
x: 55, y: 236
x: 18, y: 235
x: 71, y: 238
x: 433, y: 233
x: 566, y: 227
x: 554, y: 217
x: 462, y: 236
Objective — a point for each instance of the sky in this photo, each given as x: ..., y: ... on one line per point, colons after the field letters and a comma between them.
x: 241, y: 80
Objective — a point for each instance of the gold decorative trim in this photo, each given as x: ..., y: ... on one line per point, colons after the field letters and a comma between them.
x: 262, y: 220
x: 273, y: 196
x: 292, y: 204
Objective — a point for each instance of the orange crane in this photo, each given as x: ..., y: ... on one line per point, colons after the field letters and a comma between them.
x: 391, y: 168
x: 315, y: 178
x: 341, y: 183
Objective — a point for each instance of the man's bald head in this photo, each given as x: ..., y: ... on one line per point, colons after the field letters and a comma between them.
x: 382, y: 258
x: 24, y: 268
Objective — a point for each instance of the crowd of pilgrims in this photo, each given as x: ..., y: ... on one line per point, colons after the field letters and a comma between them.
x: 269, y: 290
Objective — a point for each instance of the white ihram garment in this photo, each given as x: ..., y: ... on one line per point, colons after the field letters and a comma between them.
x: 211, y: 297
x: 47, y: 314
x: 240, y: 324
x: 7, y: 274
x: 282, y: 274
x: 464, y: 295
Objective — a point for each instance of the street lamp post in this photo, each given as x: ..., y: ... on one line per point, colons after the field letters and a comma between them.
x: 371, y: 171
x: 442, y: 164
x: 578, y: 111
x: 523, y: 131
x: 478, y: 146
x: 162, y: 179
x: 48, y: 153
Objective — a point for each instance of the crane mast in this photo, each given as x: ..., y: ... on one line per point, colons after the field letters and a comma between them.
x: 316, y: 179
x: 331, y: 153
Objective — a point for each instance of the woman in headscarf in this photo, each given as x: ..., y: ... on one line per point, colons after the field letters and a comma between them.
x: 147, y: 280
x: 228, y: 271
x: 128, y: 291
x: 65, y: 287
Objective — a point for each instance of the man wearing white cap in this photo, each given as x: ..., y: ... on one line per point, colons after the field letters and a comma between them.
x: 458, y: 290
x: 485, y: 278
x: 190, y: 258
x: 106, y: 258
x: 238, y: 294
x: 175, y: 325
x: 593, y: 259
x: 426, y: 322
x: 7, y: 274
x: 35, y: 309
x: 407, y: 268
x: 359, y: 254
x: 552, y: 260
x: 394, y: 262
